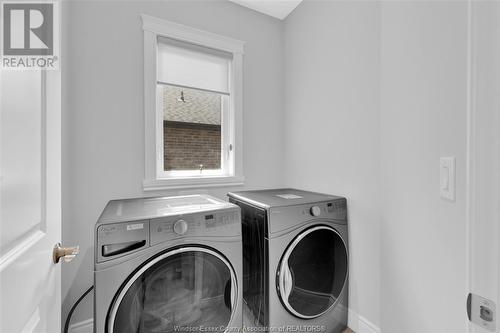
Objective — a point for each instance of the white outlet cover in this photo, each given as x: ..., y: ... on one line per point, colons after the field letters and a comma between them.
x: 476, y: 303
x: 447, y: 178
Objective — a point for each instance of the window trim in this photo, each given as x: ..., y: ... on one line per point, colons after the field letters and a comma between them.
x: 154, y: 179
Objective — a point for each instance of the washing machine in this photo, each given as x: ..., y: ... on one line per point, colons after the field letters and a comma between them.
x: 295, y: 266
x: 169, y: 264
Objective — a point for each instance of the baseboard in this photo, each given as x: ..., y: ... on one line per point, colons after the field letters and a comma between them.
x: 360, y: 324
x: 85, y: 326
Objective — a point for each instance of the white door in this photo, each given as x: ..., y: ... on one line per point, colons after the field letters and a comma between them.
x: 484, y: 172
x: 30, y: 201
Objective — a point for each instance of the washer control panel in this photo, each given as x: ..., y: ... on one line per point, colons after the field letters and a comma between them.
x: 119, y: 239
x: 224, y: 223
x: 315, y: 211
x: 180, y: 227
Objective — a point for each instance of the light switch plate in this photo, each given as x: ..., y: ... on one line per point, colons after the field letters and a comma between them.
x: 447, y: 178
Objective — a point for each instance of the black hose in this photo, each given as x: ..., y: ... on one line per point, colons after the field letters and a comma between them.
x: 68, y: 318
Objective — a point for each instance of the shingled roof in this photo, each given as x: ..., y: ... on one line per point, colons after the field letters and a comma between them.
x: 200, y: 107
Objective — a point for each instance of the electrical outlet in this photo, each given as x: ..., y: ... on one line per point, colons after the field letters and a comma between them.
x: 482, y: 312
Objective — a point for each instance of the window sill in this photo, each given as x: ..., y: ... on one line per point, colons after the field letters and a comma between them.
x: 191, y: 182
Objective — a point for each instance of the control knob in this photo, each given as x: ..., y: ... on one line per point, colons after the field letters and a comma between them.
x: 315, y: 211
x: 180, y: 227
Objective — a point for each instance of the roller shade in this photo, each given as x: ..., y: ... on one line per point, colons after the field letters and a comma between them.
x: 193, y: 66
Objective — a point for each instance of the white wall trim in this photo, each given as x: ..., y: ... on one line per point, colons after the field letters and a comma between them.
x: 171, y: 184
x: 84, y: 326
x: 469, y: 158
x: 360, y: 324
x: 191, y: 35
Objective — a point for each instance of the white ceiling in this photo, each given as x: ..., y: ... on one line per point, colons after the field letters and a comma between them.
x: 276, y: 8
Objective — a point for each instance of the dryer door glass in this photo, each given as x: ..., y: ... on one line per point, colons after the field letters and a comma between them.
x: 312, y: 272
x: 185, y: 290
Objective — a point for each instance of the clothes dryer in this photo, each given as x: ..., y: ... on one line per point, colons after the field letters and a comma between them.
x: 295, y: 267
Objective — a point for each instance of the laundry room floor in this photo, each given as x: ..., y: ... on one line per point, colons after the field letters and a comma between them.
x: 348, y: 330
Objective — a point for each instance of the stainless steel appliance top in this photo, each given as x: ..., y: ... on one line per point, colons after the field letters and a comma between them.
x: 282, y: 197
x: 149, y: 208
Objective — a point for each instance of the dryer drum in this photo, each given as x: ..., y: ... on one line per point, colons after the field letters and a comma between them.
x: 182, y: 290
x: 312, y: 272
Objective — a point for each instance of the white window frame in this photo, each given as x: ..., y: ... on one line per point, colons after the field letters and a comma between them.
x: 155, y: 178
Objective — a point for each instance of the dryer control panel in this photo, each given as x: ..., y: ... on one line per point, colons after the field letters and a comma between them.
x: 283, y: 218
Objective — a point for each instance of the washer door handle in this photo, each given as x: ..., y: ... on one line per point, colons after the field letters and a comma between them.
x: 286, y: 280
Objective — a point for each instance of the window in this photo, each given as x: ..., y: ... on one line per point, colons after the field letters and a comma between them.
x: 193, y: 102
x: 193, y: 98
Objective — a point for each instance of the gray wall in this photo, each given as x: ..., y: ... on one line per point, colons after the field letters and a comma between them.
x: 332, y: 126
x: 423, y: 117
x: 103, y: 127
x: 375, y: 93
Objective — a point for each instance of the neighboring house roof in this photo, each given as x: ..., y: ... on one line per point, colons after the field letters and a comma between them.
x: 200, y: 107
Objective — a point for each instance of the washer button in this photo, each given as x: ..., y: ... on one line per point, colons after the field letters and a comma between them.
x: 315, y: 211
x: 180, y: 227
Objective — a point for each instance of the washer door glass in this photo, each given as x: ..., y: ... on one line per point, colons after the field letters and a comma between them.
x: 186, y: 290
x: 312, y: 272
